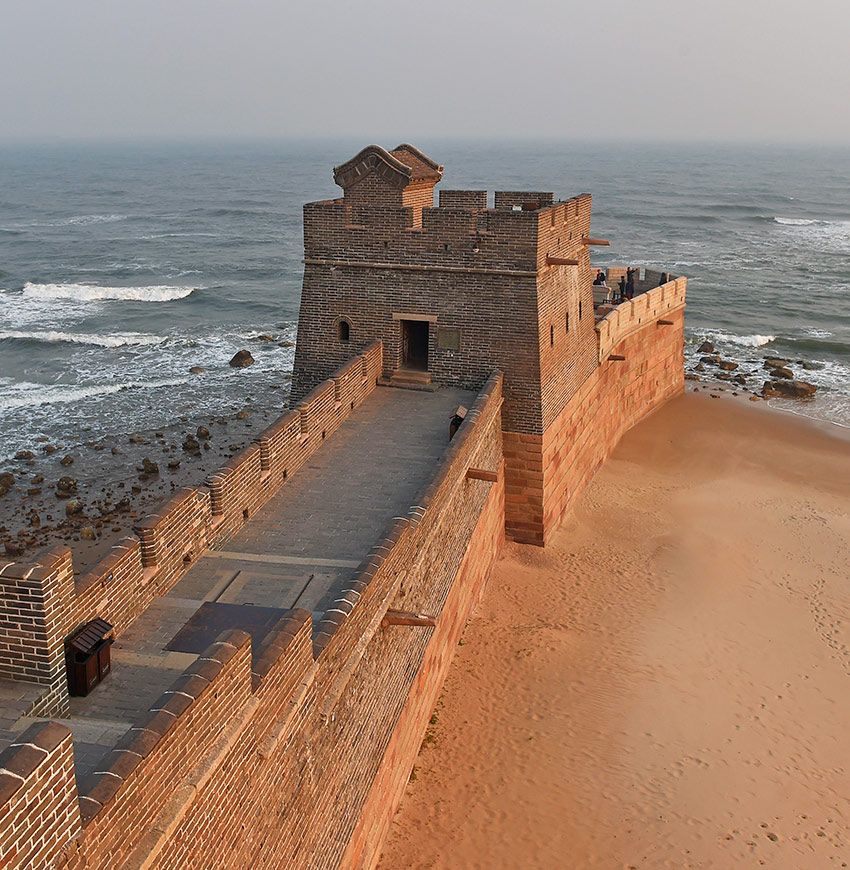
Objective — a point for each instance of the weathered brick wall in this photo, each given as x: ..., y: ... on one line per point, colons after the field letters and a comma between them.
x: 472, y: 200
x: 39, y: 810
x: 41, y: 603
x: 544, y: 474
x: 273, y: 764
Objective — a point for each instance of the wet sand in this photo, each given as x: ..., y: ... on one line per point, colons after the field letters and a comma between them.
x: 668, y: 683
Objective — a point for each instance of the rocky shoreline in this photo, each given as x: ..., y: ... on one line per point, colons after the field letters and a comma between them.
x: 89, y: 494
x: 777, y: 374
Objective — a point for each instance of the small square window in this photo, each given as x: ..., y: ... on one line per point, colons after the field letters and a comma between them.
x: 448, y: 338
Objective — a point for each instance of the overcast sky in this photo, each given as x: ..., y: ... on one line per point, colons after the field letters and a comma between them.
x: 769, y: 70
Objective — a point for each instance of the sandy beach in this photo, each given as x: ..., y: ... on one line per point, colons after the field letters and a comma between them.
x: 668, y: 683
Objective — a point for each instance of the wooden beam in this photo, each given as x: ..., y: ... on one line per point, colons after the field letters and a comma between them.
x: 665, y: 322
x: 404, y: 617
x: 481, y: 474
x: 589, y: 241
x: 560, y: 261
x: 616, y: 357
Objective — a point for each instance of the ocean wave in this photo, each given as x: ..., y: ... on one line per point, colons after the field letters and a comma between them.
x: 743, y: 340
x: 28, y: 395
x: 797, y: 222
x: 118, y: 339
x: 818, y: 345
x: 98, y: 293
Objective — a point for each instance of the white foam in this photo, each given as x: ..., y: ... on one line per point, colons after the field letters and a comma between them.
x: 743, y: 340
x: 795, y: 222
x: 118, y: 339
x: 28, y: 395
x: 97, y: 293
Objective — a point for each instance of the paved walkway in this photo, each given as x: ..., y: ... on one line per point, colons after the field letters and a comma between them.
x: 296, y: 552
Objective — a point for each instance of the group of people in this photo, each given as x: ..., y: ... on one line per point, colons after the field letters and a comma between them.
x: 626, y: 284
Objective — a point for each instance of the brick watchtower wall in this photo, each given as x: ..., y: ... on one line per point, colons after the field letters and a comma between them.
x: 507, y: 288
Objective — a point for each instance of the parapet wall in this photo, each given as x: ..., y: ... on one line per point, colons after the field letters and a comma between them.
x: 300, y: 758
x: 642, y: 366
x: 42, y: 604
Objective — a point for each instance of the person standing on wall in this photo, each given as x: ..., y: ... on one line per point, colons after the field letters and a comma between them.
x: 630, y: 283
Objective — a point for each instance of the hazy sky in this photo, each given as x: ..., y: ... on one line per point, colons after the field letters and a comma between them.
x: 771, y: 70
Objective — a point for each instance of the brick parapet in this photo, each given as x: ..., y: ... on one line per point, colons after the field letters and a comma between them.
x: 635, y: 314
x: 39, y: 811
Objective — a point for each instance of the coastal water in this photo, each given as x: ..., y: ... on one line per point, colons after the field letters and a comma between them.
x: 122, y: 267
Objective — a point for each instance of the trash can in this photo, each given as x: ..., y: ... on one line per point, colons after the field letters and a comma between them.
x: 87, y: 656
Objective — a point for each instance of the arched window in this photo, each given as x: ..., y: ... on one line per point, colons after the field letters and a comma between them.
x: 343, y: 330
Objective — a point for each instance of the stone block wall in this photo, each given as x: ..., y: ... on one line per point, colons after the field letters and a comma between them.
x: 298, y: 760
x: 545, y: 473
x: 41, y: 604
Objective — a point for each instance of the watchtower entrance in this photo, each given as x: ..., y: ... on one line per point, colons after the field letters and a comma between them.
x: 414, y: 345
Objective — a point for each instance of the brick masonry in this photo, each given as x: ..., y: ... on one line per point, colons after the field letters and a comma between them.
x: 296, y: 754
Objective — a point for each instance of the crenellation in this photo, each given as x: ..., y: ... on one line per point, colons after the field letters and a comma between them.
x: 295, y: 750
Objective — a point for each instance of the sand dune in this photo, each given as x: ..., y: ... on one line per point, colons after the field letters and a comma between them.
x: 668, y: 683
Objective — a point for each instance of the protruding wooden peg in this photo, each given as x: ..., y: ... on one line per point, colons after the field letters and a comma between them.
x: 481, y: 474
x: 665, y: 322
x: 560, y: 261
x: 588, y: 241
x: 404, y: 617
x: 616, y: 357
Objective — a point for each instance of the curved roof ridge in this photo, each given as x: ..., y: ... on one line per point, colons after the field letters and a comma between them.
x: 406, y: 146
x: 369, y: 158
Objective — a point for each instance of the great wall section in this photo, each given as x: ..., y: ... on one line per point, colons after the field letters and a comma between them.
x: 282, y: 633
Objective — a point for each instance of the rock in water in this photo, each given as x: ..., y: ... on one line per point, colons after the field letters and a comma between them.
x: 7, y: 481
x: 191, y: 444
x: 87, y: 533
x: 782, y: 372
x: 203, y: 433
x: 706, y: 347
x: 65, y: 486
x: 727, y: 365
x: 13, y: 548
x: 241, y: 359
x: 149, y: 467
x: 66, y: 461
x: 788, y: 389
x: 74, y: 507
x: 25, y: 455
x: 197, y: 370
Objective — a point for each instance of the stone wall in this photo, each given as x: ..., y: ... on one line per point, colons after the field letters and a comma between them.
x: 296, y: 756
x: 545, y: 473
x: 41, y: 604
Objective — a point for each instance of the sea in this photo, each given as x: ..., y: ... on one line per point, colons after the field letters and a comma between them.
x: 122, y: 266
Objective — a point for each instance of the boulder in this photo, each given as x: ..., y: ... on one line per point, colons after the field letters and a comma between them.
x: 49, y: 448
x: 286, y: 343
x: 137, y: 439
x: 243, y: 415
x: 25, y: 455
x: 74, y: 507
x: 197, y: 370
x: 65, y: 487
x: 263, y: 337
x: 13, y: 548
x: 810, y: 366
x: 772, y: 362
x: 241, y: 359
x: 66, y: 461
x: 38, y: 478
x: 149, y: 467
x: 87, y: 533
x: 727, y: 365
x: 788, y: 389
x: 7, y: 481
x: 34, y: 519
x: 173, y: 464
x: 191, y: 444
x: 203, y: 433
x: 711, y: 360
x: 782, y: 372
x: 706, y: 347
x: 699, y: 367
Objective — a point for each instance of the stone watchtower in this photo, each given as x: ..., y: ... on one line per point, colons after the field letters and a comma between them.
x: 454, y: 292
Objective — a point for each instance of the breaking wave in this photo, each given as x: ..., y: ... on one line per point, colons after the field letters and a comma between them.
x: 28, y: 395
x: 118, y: 339
x: 797, y: 222
x: 97, y: 293
x: 743, y: 340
